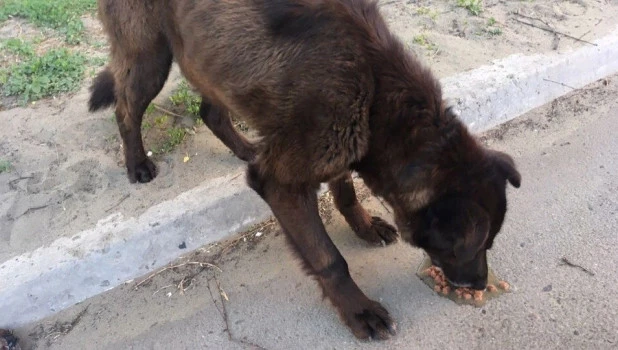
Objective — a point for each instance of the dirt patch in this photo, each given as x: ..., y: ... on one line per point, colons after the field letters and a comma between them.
x: 451, y: 40
x: 560, y: 113
x: 66, y: 165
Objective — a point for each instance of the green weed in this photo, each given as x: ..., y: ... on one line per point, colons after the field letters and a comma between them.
x: 475, y: 7
x: 150, y: 108
x: 97, y: 61
x: 491, y: 27
x: 422, y: 40
x: 175, y: 136
x: 185, y: 98
x: 17, y: 47
x: 161, y: 120
x: 426, y: 11
x: 493, y: 31
x: 5, y: 165
x: 61, y: 15
x: 56, y: 71
x: 146, y: 126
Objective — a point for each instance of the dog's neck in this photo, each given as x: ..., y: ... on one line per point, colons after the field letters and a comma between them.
x: 415, y: 139
x: 407, y: 112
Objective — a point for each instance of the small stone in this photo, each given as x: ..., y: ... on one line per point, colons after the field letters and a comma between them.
x: 547, y: 288
x: 182, y: 245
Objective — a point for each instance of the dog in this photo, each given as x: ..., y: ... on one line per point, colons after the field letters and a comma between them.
x: 330, y: 90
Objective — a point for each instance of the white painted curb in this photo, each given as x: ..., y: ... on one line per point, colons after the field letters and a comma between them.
x: 491, y: 95
x: 70, y: 270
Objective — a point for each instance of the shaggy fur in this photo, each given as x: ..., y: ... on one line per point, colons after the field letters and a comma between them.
x: 330, y: 90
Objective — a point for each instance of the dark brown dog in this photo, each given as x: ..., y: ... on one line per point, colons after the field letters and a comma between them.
x: 330, y: 90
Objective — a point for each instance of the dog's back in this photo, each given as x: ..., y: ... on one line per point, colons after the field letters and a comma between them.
x: 295, y: 69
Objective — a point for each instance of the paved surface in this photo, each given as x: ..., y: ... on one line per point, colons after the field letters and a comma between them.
x: 567, y: 208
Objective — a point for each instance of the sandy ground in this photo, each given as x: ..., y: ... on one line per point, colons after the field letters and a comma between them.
x: 67, y: 166
x: 250, y: 292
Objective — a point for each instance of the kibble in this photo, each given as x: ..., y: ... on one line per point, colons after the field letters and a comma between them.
x: 443, y: 287
x: 504, y: 285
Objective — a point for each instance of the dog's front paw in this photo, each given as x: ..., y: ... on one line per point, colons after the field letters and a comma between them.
x: 370, y: 321
x: 378, y: 231
x: 142, y: 172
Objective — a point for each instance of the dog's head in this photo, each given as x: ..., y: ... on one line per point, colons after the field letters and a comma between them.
x: 455, y: 214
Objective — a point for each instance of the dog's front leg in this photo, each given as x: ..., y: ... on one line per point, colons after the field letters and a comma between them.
x: 296, y: 209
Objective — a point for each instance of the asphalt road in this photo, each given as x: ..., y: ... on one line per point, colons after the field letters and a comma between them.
x: 558, y: 249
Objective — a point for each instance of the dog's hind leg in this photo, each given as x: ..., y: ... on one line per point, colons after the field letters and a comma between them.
x: 296, y: 208
x: 371, y: 229
x: 218, y: 121
x: 139, y: 77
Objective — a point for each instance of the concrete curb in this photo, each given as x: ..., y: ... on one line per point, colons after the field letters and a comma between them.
x: 70, y: 270
x: 491, y: 95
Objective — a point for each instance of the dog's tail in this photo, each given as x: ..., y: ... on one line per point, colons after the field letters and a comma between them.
x: 102, y: 91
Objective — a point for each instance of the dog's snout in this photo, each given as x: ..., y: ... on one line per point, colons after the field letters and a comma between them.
x: 479, y: 285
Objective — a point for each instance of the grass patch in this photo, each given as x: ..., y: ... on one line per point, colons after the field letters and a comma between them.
x: 5, y: 166
x: 17, y: 47
x: 175, y: 136
x: 426, y: 11
x: 56, y: 71
x: 492, y: 29
x: 475, y: 7
x: 422, y: 40
x: 185, y: 98
x: 60, y: 15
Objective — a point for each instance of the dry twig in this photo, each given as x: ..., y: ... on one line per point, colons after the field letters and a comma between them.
x: 567, y: 262
x: 118, y: 203
x: 555, y: 32
x: 161, y: 109
x: 559, y: 83
x: 195, y: 263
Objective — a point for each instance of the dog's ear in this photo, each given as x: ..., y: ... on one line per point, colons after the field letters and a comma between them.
x: 506, y: 166
x: 475, y: 224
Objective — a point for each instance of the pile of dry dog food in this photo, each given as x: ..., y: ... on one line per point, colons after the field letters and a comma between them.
x: 442, y: 286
